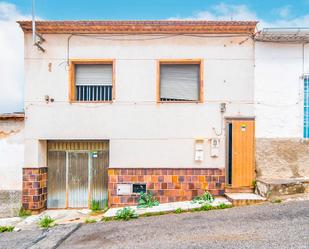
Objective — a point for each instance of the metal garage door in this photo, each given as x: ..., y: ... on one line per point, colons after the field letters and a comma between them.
x: 77, y: 173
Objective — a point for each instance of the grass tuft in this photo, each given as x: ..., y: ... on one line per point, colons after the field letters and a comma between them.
x: 178, y: 211
x: 46, y: 222
x: 6, y: 229
x: 205, y: 198
x: 89, y: 220
x: 23, y: 213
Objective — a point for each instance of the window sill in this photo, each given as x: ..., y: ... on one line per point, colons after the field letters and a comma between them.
x: 180, y: 102
x: 91, y: 102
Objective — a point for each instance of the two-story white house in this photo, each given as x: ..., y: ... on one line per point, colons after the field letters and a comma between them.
x: 113, y: 108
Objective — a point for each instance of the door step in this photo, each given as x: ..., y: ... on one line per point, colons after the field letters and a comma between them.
x: 274, y: 188
x: 243, y: 199
x: 239, y: 190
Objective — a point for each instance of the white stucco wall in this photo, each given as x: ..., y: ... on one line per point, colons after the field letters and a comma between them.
x: 11, y: 154
x: 279, y: 89
x: 142, y: 133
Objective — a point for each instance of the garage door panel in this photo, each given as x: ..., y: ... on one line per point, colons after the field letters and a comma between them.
x: 78, y: 179
x: 56, y: 184
x: 99, y: 177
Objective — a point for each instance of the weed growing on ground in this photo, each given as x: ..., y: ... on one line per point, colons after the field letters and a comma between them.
x: 23, y: 213
x: 6, y: 229
x: 178, y: 211
x: 106, y: 219
x: 254, y: 183
x: 147, y: 200
x: 95, y: 206
x: 89, y: 220
x: 223, y: 206
x: 154, y: 214
x: 126, y: 214
x: 205, y: 198
x: 46, y: 222
x: 276, y: 201
x: 206, y: 207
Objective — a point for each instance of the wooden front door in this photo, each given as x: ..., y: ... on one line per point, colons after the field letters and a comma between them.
x: 240, y: 153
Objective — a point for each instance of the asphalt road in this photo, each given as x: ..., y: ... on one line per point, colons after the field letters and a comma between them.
x: 284, y: 225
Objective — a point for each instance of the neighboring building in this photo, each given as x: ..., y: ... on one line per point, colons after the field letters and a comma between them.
x: 281, y: 95
x: 114, y: 107
x: 11, y: 162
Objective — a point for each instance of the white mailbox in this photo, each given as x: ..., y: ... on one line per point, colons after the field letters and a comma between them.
x: 124, y: 189
x: 199, y: 150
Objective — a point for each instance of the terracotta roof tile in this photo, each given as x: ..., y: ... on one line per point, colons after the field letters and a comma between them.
x: 140, y: 27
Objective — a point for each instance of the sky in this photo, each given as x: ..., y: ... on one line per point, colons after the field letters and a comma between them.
x: 270, y: 13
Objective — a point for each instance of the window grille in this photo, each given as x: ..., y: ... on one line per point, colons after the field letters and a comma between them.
x: 93, y: 82
x: 306, y: 106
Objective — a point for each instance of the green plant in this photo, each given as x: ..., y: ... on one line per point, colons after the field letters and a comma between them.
x: 23, y: 212
x: 126, y: 214
x: 154, y: 214
x: 147, y: 200
x: 276, y: 201
x: 206, y: 207
x: 205, y: 198
x: 254, y: 183
x: 106, y: 219
x: 6, y: 229
x: 46, y: 221
x: 95, y: 206
x: 178, y: 211
x: 223, y: 206
x: 89, y: 220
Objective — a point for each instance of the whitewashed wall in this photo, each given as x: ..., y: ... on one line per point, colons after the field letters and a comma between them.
x: 11, y: 154
x: 142, y: 133
x: 279, y: 89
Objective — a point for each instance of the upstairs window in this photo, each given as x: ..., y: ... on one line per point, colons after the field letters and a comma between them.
x: 93, y: 82
x: 180, y: 82
x: 306, y: 106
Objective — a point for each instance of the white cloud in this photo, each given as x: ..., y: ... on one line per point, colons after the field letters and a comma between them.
x: 222, y: 11
x: 11, y: 58
x: 242, y: 12
x: 283, y: 11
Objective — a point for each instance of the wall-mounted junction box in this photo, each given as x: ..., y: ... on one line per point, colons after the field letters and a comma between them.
x: 214, y: 147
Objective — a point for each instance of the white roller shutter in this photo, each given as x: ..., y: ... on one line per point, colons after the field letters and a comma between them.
x: 179, y: 82
x: 94, y: 74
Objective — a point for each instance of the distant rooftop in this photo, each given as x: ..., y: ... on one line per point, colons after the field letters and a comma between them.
x: 283, y: 35
x: 140, y: 27
x: 14, y: 115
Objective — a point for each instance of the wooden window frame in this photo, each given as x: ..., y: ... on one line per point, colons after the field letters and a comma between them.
x: 181, y: 61
x: 73, y: 62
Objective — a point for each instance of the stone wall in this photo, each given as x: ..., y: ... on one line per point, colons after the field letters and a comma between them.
x: 168, y: 185
x: 10, y: 203
x: 282, y: 158
x: 34, y: 189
